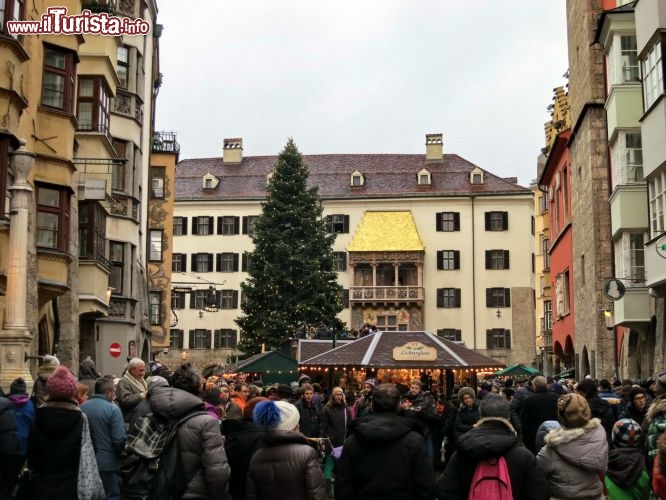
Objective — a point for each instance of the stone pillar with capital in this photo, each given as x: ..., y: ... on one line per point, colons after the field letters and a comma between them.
x: 15, y: 336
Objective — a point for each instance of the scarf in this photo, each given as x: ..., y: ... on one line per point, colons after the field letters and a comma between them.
x: 139, y: 384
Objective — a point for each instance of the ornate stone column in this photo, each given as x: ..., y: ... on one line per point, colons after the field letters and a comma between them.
x: 15, y: 337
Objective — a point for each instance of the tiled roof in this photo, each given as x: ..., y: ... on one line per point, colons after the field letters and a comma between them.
x: 377, y: 351
x: 386, y: 232
x: 275, y: 360
x: 385, y: 175
x: 309, y: 348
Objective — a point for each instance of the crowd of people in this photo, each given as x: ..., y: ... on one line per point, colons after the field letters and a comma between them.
x: 237, y: 439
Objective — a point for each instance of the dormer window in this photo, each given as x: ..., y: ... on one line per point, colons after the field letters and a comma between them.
x: 269, y: 176
x: 423, y: 178
x: 210, y: 181
x: 476, y: 176
x: 357, y: 179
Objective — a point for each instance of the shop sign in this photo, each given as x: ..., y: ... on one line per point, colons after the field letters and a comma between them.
x: 414, y: 351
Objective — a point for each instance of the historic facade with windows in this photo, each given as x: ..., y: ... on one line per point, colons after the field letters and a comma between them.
x: 400, y: 267
x: 629, y: 314
x: 649, y: 344
x: 80, y: 279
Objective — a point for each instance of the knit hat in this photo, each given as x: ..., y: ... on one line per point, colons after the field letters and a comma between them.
x: 494, y: 405
x: 466, y: 390
x: 213, y: 396
x: 371, y: 382
x: 248, y: 410
x: 626, y: 433
x: 635, y: 391
x: 61, y: 384
x: 51, y: 360
x: 660, y: 388
x: 573, y: 411
x: 276, y: 415
x: 303, y: 379
x: 18, y: 387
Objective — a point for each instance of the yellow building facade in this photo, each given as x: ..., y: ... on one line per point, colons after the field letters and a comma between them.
x: 63, y: 98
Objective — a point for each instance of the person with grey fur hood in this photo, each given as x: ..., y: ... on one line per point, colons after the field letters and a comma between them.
x: 493, y: 436
x: 575, y: 456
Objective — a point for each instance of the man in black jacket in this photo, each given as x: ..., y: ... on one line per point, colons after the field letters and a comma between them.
x: 492, y: 436
x: 600, y: 408
x: 538, y: 408
x: 384, y: 457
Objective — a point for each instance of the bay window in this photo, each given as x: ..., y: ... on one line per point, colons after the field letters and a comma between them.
x: 52, y: 217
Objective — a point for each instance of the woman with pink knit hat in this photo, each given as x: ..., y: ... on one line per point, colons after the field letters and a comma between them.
x: 54, y: 443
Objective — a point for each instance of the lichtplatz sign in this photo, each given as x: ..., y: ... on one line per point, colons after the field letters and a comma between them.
x: 414, y: 351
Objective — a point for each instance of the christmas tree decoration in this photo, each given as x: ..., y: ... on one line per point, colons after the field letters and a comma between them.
x: 292, y: 279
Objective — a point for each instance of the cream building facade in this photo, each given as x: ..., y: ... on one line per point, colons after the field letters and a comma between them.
x: 650, y: 19
x: 425, y: 241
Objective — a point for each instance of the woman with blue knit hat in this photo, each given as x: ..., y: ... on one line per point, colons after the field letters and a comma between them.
x: 287, y: 466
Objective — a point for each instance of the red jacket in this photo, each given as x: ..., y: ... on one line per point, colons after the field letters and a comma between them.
x: 658, y: 481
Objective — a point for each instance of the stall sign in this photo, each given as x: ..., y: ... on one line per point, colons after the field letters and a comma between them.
x: 414, y: 351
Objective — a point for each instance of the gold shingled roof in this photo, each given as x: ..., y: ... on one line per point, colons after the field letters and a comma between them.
x: 386, y: 232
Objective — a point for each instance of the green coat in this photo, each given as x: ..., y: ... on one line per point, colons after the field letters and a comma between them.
x: 638, y: 491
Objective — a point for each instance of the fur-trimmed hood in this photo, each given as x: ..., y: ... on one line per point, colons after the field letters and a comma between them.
x: 657, y: 407
x: 585, y: 447
x: 565, y: 435
x: 490, y: 437
x: 503, y: 421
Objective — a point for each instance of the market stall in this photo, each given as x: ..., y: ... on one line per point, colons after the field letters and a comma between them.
x: 517, y: 371
x: 399, y: 357
x: 270, y: 367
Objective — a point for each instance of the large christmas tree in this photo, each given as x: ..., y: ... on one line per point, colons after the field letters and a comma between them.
x: 292, y: 280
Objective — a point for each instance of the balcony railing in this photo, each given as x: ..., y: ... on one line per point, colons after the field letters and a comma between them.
x: 547, y: 339
x: 386, y: 294
x: 165, y: 142
x: 128, y: 104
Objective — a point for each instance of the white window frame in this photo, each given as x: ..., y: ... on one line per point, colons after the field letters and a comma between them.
x: 653, y: 75
x: 657, y: 204
x: 622, y: 60
x: 156, y: 241
x: 637, y: 259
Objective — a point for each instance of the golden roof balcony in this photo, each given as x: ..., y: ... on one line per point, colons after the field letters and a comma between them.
x: 387, y: 295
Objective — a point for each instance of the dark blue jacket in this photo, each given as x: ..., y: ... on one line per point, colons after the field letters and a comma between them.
x: 107, y: 429
x: 24, y: 409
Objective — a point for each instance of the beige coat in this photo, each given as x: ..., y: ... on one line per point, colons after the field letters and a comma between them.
x: 573, y: 459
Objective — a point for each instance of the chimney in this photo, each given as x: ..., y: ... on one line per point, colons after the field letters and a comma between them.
x: 232, y: 151
x: 434, y: 147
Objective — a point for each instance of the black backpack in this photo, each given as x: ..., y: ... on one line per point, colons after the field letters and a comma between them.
x: 152, y: 466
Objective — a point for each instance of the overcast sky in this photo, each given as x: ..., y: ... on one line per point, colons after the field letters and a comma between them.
x: 363, y: 76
